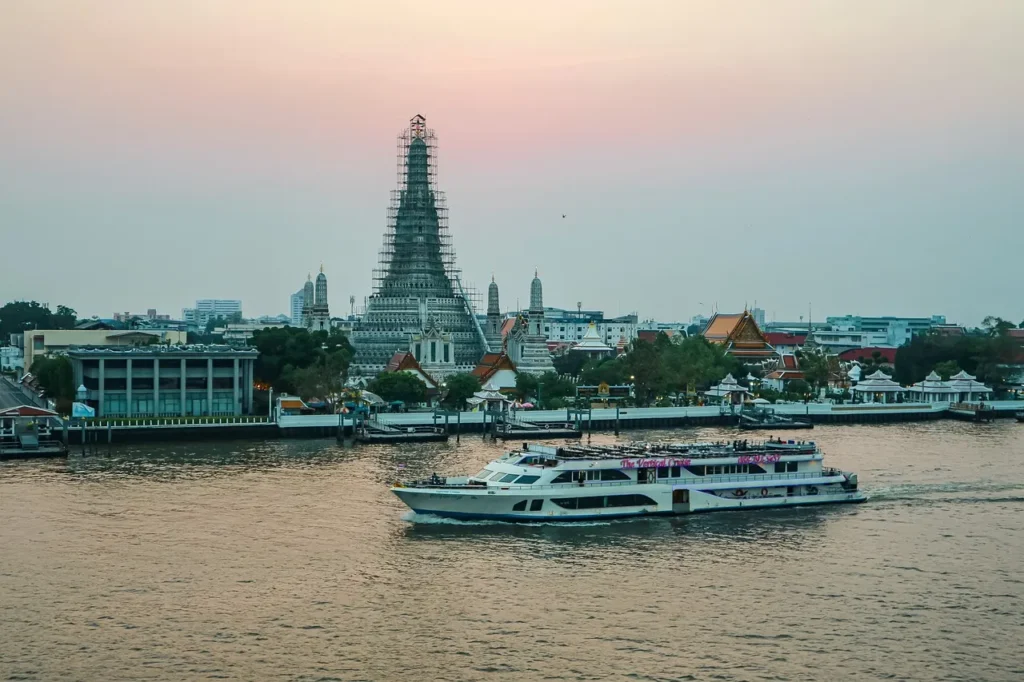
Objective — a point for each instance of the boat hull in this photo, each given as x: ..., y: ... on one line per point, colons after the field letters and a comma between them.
x: 484, y: 505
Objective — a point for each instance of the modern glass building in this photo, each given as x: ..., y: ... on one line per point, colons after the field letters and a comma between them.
x: 170, y: 381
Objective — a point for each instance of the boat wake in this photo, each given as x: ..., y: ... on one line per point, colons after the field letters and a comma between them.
x: 964, y: 491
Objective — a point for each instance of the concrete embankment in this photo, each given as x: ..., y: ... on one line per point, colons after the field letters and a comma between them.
x: 608, y: 419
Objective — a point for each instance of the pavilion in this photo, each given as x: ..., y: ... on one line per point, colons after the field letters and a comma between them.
x: 740, y: 335
x: 879, y: 388
x: 592, y: 345
x: 729, y: 391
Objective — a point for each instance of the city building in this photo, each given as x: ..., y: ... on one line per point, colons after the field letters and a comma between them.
x: 883, y: 325
x: 210, y: 309
x: 295, y: 307
x: 740, y: 335
x: 12, y: 359
x: 418, y: 300
x: 150, y: 314
x: 758, y: 315
x: 42, y: 342
x: 837, y: 341
x: 570, y: 326
x: 527, y: 343
x: 787, y: 370
x: 786, y: 343
x: 174, y: 381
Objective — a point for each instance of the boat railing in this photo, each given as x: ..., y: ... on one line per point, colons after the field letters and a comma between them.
x: 720, y: 478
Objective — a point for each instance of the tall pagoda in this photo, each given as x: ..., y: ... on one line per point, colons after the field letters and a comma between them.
x: 418, y: 304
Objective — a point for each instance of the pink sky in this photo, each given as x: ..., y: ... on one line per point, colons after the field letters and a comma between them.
x: 220, y: 136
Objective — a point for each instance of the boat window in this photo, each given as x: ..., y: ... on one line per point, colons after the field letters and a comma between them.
x: 598, y: 502
x: 526, y: 480
x: 519, y: 506
x: 564, y: 477
x: 628, y: 500
x: 676, y: 472
x: 613, y: 475
x: 792, y: 466
x: 483, y: 474
x: 780, y: 467
x: 497, y: 475
x: 663, y: 472
x: 696, y: 470
x: 508, y: 477
x: 535, y: 505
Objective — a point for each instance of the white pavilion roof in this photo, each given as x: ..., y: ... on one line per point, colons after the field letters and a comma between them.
x: 879, y: 382
x: 591, y: 342
x: 932, y: 383
x: 964, y: 382
x: 728, y: 385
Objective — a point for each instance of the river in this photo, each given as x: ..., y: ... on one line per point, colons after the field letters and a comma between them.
x: 291, y: 560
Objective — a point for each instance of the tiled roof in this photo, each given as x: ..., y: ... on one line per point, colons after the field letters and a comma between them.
x: 789, y: 362
x: 720, y: 326
x: 785, y: 338
x: 491, y: 363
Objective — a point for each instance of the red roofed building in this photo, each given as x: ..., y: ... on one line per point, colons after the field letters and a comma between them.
x: 785, y: 342
x: 497, y: 370
x: 404, y: 361
x: 786, y: 371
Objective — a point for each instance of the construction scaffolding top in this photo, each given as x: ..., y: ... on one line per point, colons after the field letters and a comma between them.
x: 417, y: 258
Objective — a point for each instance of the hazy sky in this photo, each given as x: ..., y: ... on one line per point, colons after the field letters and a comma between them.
x: 864, y: 156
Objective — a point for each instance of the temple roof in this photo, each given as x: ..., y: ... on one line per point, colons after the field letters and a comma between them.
x: 404, y: 361
x: 739, y: 334
x: 490, y: 363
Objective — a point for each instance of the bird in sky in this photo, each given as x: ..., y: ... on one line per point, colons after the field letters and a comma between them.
x: 563, y: 215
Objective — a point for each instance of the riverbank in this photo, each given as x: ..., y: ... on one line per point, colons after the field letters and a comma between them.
x: 591, y: 421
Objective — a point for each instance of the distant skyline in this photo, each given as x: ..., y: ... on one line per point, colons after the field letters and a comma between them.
x: 864, y: 158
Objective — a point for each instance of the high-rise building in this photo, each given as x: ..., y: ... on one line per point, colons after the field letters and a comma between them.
x: 295, y: 308
x: 210, y: 309
x: 418, y: 304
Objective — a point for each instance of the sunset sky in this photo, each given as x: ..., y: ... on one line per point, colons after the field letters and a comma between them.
x: 864, y: 156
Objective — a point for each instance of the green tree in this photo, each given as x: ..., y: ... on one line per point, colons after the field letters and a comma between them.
x: 946, y: 369
x: 18, y: 316
x: 402, y: 386
x: 554, y: 389
x: 996, y: 326
x: 460, y: 388
x: 56, y: 377
x: 816, y: 368
x: 526, y: 386
x: 798, y: 387
x: 611, y: 371
x: 570, y: 363
x: 283, y: 350
x: 324, y: 379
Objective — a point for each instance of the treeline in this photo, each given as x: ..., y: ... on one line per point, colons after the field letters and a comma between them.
x: 656, y: 370
x: 19, y: 316
x: 296, y: 361
x: 987, y: 354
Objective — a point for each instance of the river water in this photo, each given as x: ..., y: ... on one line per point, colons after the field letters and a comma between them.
x: 290, y: 560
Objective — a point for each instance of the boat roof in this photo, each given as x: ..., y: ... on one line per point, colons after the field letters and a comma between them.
x: 690, y: 450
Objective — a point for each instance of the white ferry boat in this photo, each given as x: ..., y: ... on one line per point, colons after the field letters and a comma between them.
x: 580, y: 482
